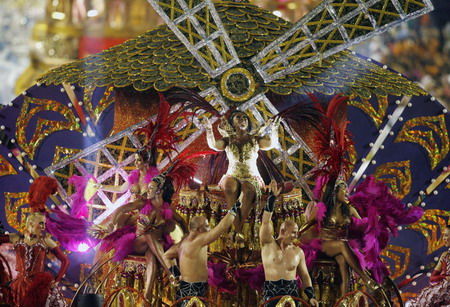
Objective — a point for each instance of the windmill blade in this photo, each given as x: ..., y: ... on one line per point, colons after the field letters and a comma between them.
x: 331, y: 27
x: 198, y: 26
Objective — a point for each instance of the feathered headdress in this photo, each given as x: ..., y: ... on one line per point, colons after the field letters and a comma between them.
x: 332, y: 141
x: 161, y: 133
x: 40, y: 190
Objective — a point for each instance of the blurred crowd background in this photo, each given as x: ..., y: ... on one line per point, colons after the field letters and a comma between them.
x: 37, y: 35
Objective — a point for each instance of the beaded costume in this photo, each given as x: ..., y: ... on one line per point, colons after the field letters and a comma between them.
x: 242, y: 163
x: 187, y: 289
x: 281, y: 287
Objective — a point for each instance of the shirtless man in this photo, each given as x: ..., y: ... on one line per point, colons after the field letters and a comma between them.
x: 192, y: 253
x: 282, y: 260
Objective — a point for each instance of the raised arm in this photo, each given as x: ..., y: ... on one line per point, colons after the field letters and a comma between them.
x: 215, y: 233
x: 115, y: 189
x: 218, y: 145
x: 436, y: 275
x: 266, y: 229
x: 269, y: 141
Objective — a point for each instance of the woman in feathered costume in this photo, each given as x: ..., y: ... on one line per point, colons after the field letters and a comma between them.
x: 339, y: 230
x: 160, y: 135
x: 243, y: 146
x: 150, y: 236
x: 33, y: 287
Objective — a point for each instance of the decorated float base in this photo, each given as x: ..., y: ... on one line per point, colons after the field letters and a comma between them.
x: 122, y: 283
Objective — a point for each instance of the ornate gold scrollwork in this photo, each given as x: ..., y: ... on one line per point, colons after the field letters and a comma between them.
x: 430, y: 226
x: 400, y: 256
x: 13, y: 204
x: 376, y: 115
x: 44, y: 127
x: 397, y: 175
x: 107, y: 99
x: 436, y: 129
x: 6, y: 168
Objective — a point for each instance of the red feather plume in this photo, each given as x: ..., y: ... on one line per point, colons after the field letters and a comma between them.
x: 40, y: 190
x: 332, y: 141
x: 182, y: 170
x: 161, y: 133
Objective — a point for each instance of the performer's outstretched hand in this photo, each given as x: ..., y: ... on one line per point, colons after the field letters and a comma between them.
x: 207, y: 124
x: 274, y: 189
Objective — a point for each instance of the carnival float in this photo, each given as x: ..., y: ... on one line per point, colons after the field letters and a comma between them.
x: 153, y: 109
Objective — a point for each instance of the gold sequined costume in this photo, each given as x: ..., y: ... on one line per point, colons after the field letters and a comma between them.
x: 242, y: 164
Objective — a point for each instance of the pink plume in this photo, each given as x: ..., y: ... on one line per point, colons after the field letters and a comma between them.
x: 133, y: 178
x: 78, y: 203
x: 151, y: 173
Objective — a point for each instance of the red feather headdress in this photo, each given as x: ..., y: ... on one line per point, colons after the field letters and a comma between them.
x: 40, y: 190
x: 161, y: 133
x: 181, y: 170
x: 332, y: 141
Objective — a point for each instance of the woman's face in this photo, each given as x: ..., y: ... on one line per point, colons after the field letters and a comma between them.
x: 138, y: 162
x: 240, y: 121
x: 36, y: 225
x: 153, y: 190
x: 342, y: 193
x: 447, y: 237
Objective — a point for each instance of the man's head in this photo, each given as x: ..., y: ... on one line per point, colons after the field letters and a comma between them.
x: 288, y: 232
x: 35, y: 223
x: 199, y: 224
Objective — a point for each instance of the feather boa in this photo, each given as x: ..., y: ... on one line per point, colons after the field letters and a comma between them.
x: 38, y: 291
x: 217, y: 277
x: 133, y: 178
x: 382, y: 213
x: 78, y: 202
x: 69, y: 231
x: 122, y: 240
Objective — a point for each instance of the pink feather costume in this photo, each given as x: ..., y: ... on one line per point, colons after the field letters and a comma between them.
x: 381, y: 213
x: 122, y: 240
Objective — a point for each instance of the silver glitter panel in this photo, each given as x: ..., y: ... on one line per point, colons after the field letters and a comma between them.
x: 292, y: 53
x: 218, y: 58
